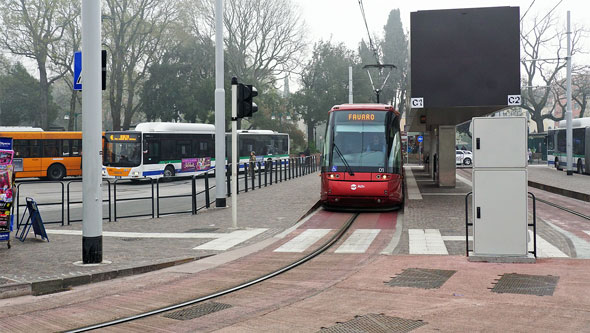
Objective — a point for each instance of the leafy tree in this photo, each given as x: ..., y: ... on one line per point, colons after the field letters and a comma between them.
x: 182, y: 85
x: 324, y: 83
x: 395, y: 51
x: 31, y: 29
x: 20, y: 98
x: 135, y: 32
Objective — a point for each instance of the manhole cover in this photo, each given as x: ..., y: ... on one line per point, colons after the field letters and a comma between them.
x: 203, y: 230
x: 197, y: 311
x: 130, y: 239
x: 374, y: 323
x: 540, y: 285
x: 421, y: 278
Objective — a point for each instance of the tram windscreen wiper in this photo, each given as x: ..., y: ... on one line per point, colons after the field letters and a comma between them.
x: 348, y: 169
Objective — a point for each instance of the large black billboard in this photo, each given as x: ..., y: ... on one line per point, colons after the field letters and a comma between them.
x: 465, y: 57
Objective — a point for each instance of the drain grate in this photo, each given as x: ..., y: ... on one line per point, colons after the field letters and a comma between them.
x: 202, y: 230
x: 421, y: 278
x: 374, y: 323
x: 540, y: 285
x: 197, y: 311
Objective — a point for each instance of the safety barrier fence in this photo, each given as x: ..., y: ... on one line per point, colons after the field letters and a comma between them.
x: 252, y: 175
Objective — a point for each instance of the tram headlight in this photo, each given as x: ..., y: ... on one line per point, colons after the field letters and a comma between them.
x: 385, y: 177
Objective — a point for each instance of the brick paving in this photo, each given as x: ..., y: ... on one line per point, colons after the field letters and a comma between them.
x: 275, y: 207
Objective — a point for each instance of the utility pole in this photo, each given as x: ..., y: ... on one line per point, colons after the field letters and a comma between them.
x: 349, y: 84
x: 234, y: 152
x: 568, y: 112
x: 219, y: 109
x: 91, y: 134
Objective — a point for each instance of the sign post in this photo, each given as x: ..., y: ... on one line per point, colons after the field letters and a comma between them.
x: 91, y: 134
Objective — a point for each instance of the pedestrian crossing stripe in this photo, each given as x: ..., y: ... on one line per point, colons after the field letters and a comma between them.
x: 302, y: 241
x: 359, y: 241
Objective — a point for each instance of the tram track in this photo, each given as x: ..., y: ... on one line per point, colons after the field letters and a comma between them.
x: 335, y: 238
x: 571, y: 211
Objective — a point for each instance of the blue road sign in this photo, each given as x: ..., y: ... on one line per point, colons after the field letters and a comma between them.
x: 420, y: 138
x: 78, y: 70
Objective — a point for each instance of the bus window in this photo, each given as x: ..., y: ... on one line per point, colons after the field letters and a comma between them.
x: 578, y: 141
x: 76, y: 147
x: 65, y: 151
x: 151, y: 151
x: 51, y: 148
x: 168, y: 149
x: 561, y: 143
x: 183, y: 149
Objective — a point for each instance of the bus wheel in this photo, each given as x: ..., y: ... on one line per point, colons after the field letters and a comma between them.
x: 169, y: 171
x: 56, y: 172
x: 580, y: 169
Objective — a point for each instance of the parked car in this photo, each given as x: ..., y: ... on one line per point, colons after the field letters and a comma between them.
x: 463, y: 157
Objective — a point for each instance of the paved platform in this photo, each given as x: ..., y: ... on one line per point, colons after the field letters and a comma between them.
x: 549, y: 179
x: 140, y: 245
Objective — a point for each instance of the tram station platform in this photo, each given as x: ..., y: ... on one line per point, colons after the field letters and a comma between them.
x: 547, y: 178
x: 420, y: 285
x: 138, y: 245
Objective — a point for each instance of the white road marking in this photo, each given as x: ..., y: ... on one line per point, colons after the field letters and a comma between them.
x: 426, y: 241
x: 456, y: 238
x: 465, y: 180
x: 359, y: 241
x: 140, y: 234
x: 413, y: 189
x: 544, y: 248
x: 303, y: 240
x: 230, y: 240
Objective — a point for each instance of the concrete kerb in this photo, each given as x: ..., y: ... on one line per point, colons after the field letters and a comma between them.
x: 561, y: 191
x: 45, y: 287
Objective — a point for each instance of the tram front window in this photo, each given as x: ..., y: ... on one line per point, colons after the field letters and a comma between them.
x: 360, y: 137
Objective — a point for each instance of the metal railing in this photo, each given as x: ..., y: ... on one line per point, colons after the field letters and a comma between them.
x: 52, y: 203
x: 152, y: 214
x: 533, y: 224
x: 70, y: 202
x: 276, y: 171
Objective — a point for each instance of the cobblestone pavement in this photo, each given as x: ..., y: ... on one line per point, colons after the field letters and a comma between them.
x: 271, y: 209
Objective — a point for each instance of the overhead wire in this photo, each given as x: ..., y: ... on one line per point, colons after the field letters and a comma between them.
x: 531, y: 5
x: 544, y: 17
x: 373, y: 48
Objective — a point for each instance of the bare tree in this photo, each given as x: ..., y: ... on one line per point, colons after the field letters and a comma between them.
x: 580, y: 91
x: 31, y: 29
x: 544, y: 42
x: 62, y: 58
x: 264, y: 39
x: 134, y: 33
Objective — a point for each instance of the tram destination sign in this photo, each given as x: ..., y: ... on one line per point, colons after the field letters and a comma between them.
x: 361, y: 116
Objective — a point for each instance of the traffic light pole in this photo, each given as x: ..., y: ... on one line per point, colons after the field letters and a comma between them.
x: 234, y: 152
x: 220, y: 193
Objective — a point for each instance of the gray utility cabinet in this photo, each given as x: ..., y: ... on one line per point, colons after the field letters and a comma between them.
x: 500, y: 186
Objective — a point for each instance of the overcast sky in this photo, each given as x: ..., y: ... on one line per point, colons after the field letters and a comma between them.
x: 342, y: 21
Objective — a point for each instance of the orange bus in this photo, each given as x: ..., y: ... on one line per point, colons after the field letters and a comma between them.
x: 51, y: 155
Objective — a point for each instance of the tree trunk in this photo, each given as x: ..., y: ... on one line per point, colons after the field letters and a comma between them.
x: 540, y: 126
x: 72, y: 113
x: 44, y: 96
x: 310, y: 127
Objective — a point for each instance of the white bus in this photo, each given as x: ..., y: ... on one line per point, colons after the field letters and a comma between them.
x: 556, y: 145
x: 178, y: 149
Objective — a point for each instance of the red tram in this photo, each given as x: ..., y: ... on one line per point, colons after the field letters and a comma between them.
x: 362, y: 166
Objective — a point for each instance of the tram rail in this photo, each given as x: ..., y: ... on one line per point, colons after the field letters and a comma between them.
x: 335, y: 238
x: 571, y: 211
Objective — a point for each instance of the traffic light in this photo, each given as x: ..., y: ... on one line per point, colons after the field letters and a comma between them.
x: 245, y: 105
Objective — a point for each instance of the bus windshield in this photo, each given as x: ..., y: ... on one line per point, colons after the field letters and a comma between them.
x: 122, y: 149
x: 361, y: 138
